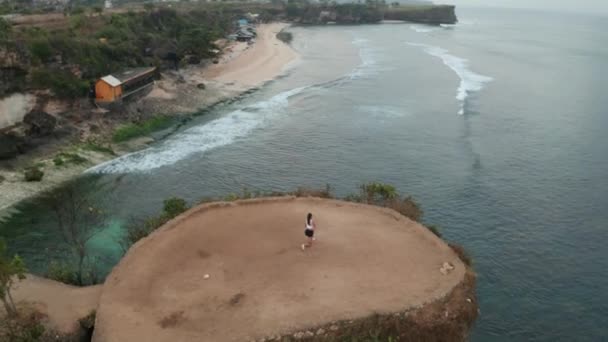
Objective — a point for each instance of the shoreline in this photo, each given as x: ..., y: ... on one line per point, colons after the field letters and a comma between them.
x: 241, y: 69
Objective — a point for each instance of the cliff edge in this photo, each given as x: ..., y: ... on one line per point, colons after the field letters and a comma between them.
x: 235, y: 272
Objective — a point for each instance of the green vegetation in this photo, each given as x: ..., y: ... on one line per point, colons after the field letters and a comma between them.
x: 11, y: 269
x: 33, y: 174
x: 5, y: 29
x: 98, y: 147
x: 139, y: 229
x: 62, y: 272
x: 62, y: 83
x: 135, y: 130
x: 77, y: 221
x: 69, y: 158
x: 174, y: 206
x: 101, y: 44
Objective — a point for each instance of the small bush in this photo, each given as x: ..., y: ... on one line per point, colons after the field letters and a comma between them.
x: 63, y: 84
x: 174, y: 206
x: 435, y: 230
x: 63, y: 273
x: 5, y: 29
x: 135, y: 130
x: 378, y: 193
x: 139, y: 229
x: 406, y: 207
x: 33, y: 174
x: 58, y: 161
x: 41, y: 49
x: 23, y: 329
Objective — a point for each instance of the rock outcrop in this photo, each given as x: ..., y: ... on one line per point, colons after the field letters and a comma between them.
x: 10, y: 146
x: 39, y: 123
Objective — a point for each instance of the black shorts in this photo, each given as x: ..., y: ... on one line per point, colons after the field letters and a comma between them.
x: 309, y: 232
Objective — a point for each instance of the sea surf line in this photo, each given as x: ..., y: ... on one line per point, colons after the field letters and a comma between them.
x: 470, y: 81
x: 226, y: 129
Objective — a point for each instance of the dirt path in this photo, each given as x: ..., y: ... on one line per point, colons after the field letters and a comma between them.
x: 63, y: 304
x: 260, y: 283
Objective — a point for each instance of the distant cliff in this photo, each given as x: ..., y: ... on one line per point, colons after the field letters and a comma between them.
x: 433, y: 14
x: 369, y: 13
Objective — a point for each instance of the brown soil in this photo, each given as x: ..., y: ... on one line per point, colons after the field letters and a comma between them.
x: 62, y: 304
x: 235, y: 272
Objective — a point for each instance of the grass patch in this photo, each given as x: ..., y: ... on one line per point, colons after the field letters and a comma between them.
x: 97, y: 147
x: 69, y: 158
x: 134, y: 130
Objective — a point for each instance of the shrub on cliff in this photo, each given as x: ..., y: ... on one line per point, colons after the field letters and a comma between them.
x: 174, y: 206
x: 11, y: 269
x: 62, y: 272
x: 63, y: 84
x: 138, y: 229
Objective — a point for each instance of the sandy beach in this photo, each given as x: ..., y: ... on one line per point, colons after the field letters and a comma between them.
x: 252, y: 65
x: 241, y: 67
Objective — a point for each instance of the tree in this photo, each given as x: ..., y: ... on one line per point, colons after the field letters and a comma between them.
x: 10, y: 270
x: 97, y: 10
x: 77, y: 218
x: 5, y: 28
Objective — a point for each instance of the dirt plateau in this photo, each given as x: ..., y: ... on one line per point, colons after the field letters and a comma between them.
x: 234, y: 271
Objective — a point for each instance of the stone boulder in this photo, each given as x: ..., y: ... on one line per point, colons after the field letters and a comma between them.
x: 39, y: 123
x: 10, y: 146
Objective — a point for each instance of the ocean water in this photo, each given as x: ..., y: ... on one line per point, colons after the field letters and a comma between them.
x: 495, y: 125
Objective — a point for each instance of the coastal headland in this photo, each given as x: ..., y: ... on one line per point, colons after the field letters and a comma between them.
x: 234, y: 271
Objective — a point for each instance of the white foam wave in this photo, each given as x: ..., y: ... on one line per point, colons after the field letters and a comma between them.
x: 470, y: 81
x: 422, y: 28
x: 368, y: 58
x: 199, y: 139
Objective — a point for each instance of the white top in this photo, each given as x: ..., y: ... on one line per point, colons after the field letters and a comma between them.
x: 111, y: 80
x: 310, y: 226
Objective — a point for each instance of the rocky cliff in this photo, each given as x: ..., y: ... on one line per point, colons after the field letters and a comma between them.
x: 436, y: 14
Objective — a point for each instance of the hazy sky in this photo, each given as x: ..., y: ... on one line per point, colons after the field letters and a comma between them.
x: 593, y: 6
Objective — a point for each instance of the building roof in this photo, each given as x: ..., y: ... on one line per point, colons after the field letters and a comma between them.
x: 117, y: 79
x: 111, y: 80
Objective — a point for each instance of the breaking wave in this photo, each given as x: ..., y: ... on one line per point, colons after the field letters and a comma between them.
x: 198, y: 139
x: 422, y: 28
x: 470, y: 81
x: 228, y: 128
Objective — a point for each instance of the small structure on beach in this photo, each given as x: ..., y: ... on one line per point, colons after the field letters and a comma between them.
x: 116, y: 87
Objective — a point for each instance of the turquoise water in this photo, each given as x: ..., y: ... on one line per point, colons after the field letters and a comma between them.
x: 495, y: 125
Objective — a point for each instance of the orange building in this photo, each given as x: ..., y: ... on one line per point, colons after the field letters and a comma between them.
x: 116, y: 87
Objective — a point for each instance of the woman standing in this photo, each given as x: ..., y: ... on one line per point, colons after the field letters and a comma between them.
x: 309, y: 231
